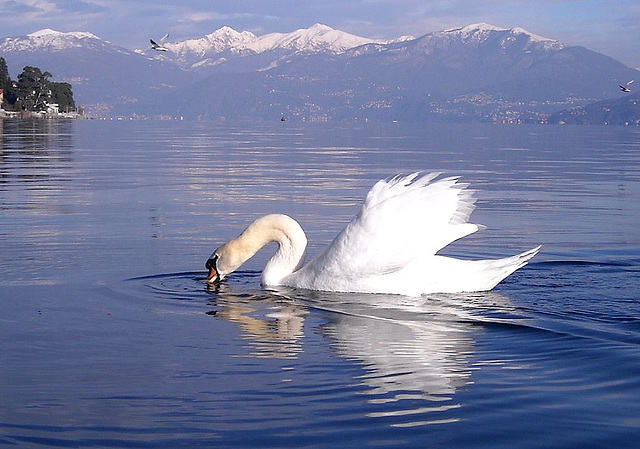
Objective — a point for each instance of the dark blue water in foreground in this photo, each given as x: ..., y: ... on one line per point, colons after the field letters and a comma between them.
x: 109, y: 336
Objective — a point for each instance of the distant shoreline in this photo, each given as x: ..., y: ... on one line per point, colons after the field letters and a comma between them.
x: 22, y: 115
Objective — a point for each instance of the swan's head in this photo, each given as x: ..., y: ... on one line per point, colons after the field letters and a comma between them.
x: 224, y: 260
x: 212, y: 265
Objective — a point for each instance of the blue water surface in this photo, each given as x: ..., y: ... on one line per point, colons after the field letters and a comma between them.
x: 109, y: 336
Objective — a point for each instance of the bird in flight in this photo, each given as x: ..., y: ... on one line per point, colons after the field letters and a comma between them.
x: 625, y: 88
x: 159, y: 46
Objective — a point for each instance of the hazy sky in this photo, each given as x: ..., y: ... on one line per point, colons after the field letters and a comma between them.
x: 611, y: 27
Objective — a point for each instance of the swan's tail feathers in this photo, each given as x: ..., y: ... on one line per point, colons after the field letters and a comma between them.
x: 501, y: 268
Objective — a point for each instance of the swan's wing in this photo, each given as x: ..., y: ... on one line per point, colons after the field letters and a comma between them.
x: 401, y: 219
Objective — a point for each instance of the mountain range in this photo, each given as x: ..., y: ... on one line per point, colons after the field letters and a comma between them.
x: 479, y: 72
x: 226, y: 43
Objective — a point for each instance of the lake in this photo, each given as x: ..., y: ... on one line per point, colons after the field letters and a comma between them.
x: 110, y: 337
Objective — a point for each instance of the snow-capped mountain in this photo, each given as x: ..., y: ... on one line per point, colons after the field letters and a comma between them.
x: 503, y: 63
x: 105, y: 78
x: 226, y: 43
x: 52, y: 40
x: 469, y: 72
x: 476, y: 72
x: 318, y: 38
x: 480, y: 32
x: 193, y: 51
x: 483, y: 37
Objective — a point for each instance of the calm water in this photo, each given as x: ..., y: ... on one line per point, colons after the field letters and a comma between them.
x: 110, y: 338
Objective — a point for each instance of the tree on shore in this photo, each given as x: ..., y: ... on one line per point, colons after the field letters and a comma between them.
x: 34, y: 91
x: 7, y: 86
x: 62, y: 94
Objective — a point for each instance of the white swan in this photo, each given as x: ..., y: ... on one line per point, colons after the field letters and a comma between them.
x: 389, y: 247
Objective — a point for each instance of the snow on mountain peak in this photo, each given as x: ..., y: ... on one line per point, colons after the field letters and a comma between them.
x: 480, y: 31
x: 232, y: 35
x: 320, y: 27
x: 49, y: 33
x: 225, y: 38
x: 225, y: 30
x: 474, y: 27
x: 318, y: 37
x: 533, y: 37
x: 474, y: 30
x: 49, y: 39
x: 44, y: 32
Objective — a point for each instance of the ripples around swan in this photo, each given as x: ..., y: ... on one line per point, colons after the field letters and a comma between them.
x: 415, y: 353
x: 417, y: 356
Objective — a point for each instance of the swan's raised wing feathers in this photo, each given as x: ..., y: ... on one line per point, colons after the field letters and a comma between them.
x: 402, y: 219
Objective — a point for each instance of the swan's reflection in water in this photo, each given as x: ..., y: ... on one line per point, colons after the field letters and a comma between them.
x: 411, y: 349
x: 273, y: 326
x: 401, y: 356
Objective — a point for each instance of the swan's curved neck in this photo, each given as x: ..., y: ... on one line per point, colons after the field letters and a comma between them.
x: 291, y: 240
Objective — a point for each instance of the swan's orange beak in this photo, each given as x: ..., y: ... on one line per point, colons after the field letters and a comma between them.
x: 213, y: 276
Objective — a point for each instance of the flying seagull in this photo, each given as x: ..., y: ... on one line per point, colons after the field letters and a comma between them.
x: 625, y: 88
x: 160, y: 46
